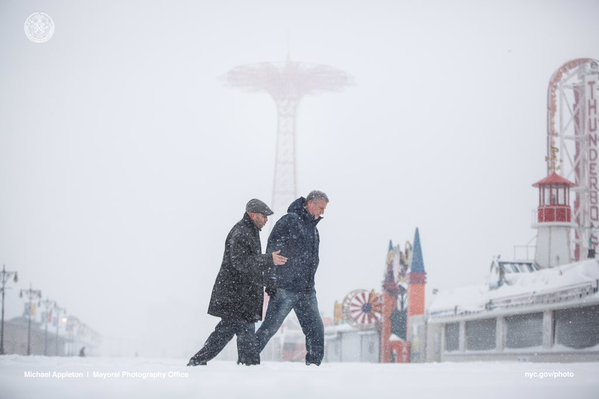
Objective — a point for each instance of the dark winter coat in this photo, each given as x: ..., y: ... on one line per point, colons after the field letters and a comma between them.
x: 296, y: 235
x: 238, y: 290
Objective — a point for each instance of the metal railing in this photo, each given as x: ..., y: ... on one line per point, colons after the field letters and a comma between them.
x: 569, y: 293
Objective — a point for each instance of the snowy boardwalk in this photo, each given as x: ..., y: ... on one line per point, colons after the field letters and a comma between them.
x: 39, y: 377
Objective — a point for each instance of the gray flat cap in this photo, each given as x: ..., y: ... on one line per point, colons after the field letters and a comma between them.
x: 257, y: 206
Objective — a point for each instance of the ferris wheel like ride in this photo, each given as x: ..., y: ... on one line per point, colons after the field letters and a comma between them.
x: 573, y: 145
x: 362, y: 308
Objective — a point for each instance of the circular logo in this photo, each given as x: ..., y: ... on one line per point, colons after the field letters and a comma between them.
x: 39, y: 27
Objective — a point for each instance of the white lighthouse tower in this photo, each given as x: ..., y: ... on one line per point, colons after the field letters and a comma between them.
x: 554, y: 222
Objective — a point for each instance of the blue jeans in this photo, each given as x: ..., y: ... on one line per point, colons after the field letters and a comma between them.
x: 305, y: 306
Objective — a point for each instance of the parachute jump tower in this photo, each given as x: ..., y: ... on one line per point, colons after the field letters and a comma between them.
x: 287, y: 83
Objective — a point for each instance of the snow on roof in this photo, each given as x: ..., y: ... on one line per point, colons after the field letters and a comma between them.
x: 343, y: 328
x: 573, y: 282
x: 554, y: 178
x: 394, y: 337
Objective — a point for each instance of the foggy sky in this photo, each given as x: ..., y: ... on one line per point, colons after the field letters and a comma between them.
x: 124, y: 160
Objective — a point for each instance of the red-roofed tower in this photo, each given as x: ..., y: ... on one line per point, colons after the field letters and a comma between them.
x: 417, y: 302
x: 554, y: 221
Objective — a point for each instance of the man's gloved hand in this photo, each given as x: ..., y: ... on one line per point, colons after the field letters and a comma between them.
x: 271, y: 291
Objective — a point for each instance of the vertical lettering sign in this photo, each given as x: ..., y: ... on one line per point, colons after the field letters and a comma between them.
x: 591, y: 95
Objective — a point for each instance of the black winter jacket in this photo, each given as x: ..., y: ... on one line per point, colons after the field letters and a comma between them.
x: 238, y: 290
x: 296, y: 235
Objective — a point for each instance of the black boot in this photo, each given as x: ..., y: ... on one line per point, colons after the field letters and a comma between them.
x: 249, y: 360
x: 194, y: 361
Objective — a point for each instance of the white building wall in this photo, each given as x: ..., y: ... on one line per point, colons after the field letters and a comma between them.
x: 353, y: 346
x: 553, y: 244
x: 549, y: 351
x: 350, y: 347
x: 434, y: 342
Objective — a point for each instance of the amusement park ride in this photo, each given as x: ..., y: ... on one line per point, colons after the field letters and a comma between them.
x: 572, y: 148
x: 362, y: 308
x: 398, y: 312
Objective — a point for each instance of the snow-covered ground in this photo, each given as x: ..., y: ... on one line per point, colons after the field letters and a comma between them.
x: 46, y: 377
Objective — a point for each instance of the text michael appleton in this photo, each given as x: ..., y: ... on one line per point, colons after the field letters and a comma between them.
x: 105, y: 375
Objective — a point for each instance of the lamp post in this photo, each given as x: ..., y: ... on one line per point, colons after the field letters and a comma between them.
x: 58, y: 310
x: 5, y: 275
x: 31, y: 295
x: 72, y: 326
x: 48, y: 306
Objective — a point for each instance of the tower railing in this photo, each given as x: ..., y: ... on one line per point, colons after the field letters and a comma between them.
x: 554, y: 213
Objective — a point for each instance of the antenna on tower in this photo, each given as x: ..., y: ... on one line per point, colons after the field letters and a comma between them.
x: 288, y: 49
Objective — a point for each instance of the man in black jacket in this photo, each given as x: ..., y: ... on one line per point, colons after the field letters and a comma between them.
x: 292, y: 287
x: 237, y: 295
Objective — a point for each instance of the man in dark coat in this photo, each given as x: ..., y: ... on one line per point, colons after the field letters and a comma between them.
x: 237, y: 295
x: 292, y: 287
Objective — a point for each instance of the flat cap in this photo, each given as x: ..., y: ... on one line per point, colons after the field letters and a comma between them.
x: 257, y: 206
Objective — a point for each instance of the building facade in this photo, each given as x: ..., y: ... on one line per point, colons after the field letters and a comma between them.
x: 541, y: 310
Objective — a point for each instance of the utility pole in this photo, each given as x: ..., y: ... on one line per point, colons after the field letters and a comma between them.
x: 5, y: 277
x: 31, y: 295
x: 48, y: 306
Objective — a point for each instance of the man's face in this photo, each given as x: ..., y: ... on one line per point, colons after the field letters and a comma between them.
x: 258, y: 219
x: 316, y: 208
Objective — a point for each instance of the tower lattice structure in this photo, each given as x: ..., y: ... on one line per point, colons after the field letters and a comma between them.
x: 573, y: 144
x: 287, y: 83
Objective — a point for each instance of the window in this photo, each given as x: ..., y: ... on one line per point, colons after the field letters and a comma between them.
x: 370, y: 347
x: 553, y: 195
x: 524, y: 331
x: 577, y: 328
x: 561, y: 196
x: 480, y: 334
x: 452, y: 337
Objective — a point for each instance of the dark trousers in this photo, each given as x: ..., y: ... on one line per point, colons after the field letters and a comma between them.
x: 247, y: 345
x: 305, y: 306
